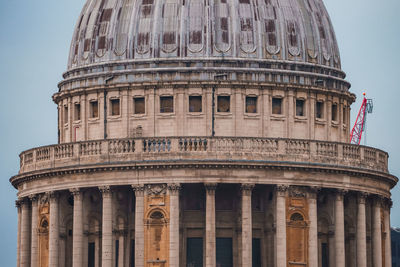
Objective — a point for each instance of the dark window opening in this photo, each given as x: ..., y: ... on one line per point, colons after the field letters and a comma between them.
x: 77, y: 112
x: 86, y: 45
x: 91, y: 254
x: 132, y: 254
x: 166, y: 104
x: 291, y: 28
x: 325, y: 255
x: 344, y: 115
x: 101, y: 43
x: 169, y: 38
x: 319, y: 110
x: 224, y: 252
x: 143, y: 39
x: 251, y: 104
x: 224, y: 104
x: 65, y: 114
x: 225, y: 197
x: 194, y: 197
x: 115, y: 110
x: 94, y: 109
x: 116, y: 252
x: 296, y: 217
x: 195, y: 37
x: 194, y: 254
x: 256, y: 253
x: 334, y: 112
x: 300, y: 107
x: 139, y: 105
x: 277, y: 106
x: 106, y: 15
x: 195, y: 104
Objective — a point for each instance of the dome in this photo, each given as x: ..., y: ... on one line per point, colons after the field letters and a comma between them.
x: 195, y: 30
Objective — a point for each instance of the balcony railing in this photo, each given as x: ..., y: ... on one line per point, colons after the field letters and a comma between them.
x: 204, y: 148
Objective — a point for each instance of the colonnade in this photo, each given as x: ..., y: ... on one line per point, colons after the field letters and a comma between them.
x: 28, y: 228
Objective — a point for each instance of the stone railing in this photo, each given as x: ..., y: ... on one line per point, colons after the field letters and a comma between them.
x: 204, y: 149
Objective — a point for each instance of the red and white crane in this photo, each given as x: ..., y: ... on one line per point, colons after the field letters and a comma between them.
x: 360, y: 125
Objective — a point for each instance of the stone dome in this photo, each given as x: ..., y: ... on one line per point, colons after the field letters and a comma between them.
x: 194, y: 30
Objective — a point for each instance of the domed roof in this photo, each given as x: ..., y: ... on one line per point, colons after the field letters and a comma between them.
x: 137, y: 30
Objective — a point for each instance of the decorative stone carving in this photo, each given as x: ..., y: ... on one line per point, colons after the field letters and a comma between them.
x: 340, y: 193
x: 105, y: 190
x: 76, y: 192
x: 247, y: 189
x: 34, y: 198
x: 362, y: 197
x: 295, y: 191
x: 156, y: 189
x: 174, y: 189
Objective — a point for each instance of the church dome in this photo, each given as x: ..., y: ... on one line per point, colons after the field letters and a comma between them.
x: 258, y: 31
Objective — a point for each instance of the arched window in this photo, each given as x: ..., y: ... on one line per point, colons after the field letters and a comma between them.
x: 296, y: 217
x: 157, y: 215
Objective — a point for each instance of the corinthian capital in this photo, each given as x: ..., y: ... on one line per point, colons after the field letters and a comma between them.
x: 210, y: 188
x: 174, y: 189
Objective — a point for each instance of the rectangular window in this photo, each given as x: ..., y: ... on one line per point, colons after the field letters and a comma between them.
x: 256, y: 252
x: 195, y: 104
x: 77, y: 112
x: 224, y: 252
x: 319, y: 111
x: 276, y: 106
x: 251, y: 104
x: 65, y: 114
x: 300, y: 108
x: 115, y: 110
x: 139, y: 105
x: 132, y: 254
x: 116, y: 252
x: 224, y: 104
x: 166, y: 104
x: 334, y: 112
x: 94, y: 109
x: 325, y: 255
x: 194, y: 252
x: 91, y: 254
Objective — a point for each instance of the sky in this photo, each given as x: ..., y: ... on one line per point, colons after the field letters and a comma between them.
x: 34, y: 45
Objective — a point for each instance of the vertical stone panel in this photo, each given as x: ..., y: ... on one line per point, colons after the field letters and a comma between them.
x: 77, y: 232
x: 34, y: 233
x: 53, y: 230
x: 174, y: 245
x: 139, y: 225
x: 247, y: 226
x: 210, y: 225
x: 361, y: 232
x: 339, y: 229
x: 280, y: 248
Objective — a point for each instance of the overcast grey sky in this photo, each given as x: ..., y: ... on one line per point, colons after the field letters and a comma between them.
x: 34, y: 44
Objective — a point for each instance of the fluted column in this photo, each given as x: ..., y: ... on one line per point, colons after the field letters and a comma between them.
x: 107, y: 240
x: 281, y: 225
x: 53, y: 230
x: 174, y: 190
x: 361, y: 232
x: 139, y: 225
x: 18, y: 206
x: 376, y: 233
x: 77, y: 229
x: 247, y: 226
x: 388, y: 243
x: 210, y: 225
x: 313, y: 230
x: 34, y: 232
x: 339, y: 229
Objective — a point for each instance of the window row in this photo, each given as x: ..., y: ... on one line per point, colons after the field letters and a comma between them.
x: 196, y: 105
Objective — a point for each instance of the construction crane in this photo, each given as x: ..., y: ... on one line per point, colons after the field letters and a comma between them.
x: 360, y: 125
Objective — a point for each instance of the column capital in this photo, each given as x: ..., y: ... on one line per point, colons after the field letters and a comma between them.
x: 340, y: 193
x: 105, y: 190
x: 138, y: 189
x: 174, y: 189
x: 34, y: 198
x: 378, y: 200
x: 210, y: 188
x: 247, y: 189
x: 18, y: 203
x: 281, y: 189
x: 52, y: 196
x: 312, y: 192
x: 76, y: 193
x: 362, y: 197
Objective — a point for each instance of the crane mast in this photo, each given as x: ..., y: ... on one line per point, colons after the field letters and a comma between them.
x: 360, y: 124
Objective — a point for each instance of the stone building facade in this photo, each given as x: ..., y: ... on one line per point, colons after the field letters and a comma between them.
x: 204, y: 133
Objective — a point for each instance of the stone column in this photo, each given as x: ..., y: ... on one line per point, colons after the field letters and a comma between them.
x: 281, y: 226
x: 121, y: 249
x: 339, y: 229
x: 34, y: 233
x: 361, y: 232
x: 25, y: 234
x: 77, y: 229
x: 210, y: 225
x: 388, y: 243
x: 139, y: 225
x: 332, y: 249
x: 247, y: 226
x: 107, y: 238
x: 313, y: 230
x: 53, y: 230
x: 18, y: 206
x: 173, y: 190
x: 376, y: 233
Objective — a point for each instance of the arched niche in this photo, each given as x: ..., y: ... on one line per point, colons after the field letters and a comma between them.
x: 297, y: 238
x: 44, y: 242
x: 157, y: 238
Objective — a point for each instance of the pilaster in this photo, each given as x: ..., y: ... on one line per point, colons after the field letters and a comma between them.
x: 210, y: 225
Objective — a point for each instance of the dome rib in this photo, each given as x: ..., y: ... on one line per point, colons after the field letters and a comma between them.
x: 117, y: 30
